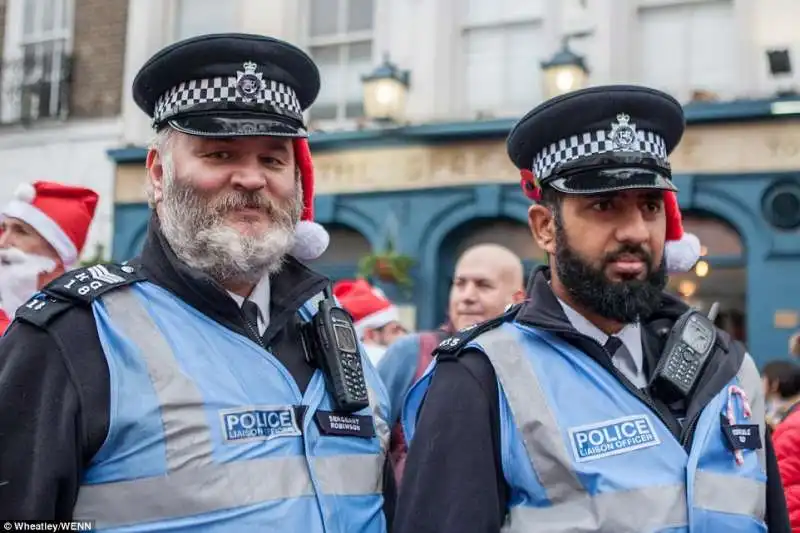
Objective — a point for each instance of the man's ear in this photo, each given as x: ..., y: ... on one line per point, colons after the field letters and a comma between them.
x: 543, y: 227
x: 155, y: 173
x: 518, y: 296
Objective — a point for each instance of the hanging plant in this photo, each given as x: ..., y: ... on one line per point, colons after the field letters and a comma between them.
x: 388, y: 266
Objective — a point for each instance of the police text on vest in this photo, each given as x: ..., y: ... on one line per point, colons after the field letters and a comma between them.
x: 612, y: 437
x: 259, y: 423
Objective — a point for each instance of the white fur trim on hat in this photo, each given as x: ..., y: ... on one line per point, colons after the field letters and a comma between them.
x: 25, y: 192
x: 377, y: 320
x: 683, y: 254
x: 310, y: 240
x: 46, y: 227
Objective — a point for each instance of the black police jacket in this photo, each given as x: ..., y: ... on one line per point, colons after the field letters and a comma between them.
x: 453, y: 480
x: 54, y: 383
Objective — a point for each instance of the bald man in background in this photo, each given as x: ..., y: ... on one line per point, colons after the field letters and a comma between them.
x: 487, y: 278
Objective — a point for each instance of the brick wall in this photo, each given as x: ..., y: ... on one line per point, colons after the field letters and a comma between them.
x: 98, y: 57
x: 3, y: 7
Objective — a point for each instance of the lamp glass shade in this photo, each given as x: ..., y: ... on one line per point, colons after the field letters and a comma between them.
x: 385, y: 99
x: 561, y: 79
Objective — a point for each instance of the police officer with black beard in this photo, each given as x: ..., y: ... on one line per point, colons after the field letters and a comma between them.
x: 602, y: 403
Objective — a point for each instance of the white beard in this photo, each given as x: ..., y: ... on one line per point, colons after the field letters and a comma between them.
x: 375, y: 352
x: 19, y: 277
x: 200, y: 237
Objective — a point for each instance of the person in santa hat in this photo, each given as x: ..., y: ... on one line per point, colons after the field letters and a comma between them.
x: 187, y: 388
x: 557, y: 416
x: 42, y: 233
x: 375, y: 317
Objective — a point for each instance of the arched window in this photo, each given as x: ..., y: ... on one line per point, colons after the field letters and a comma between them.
x: 509, y: 233
x: 717, y: 237
x: 719, y: 276
x: 346, y: 248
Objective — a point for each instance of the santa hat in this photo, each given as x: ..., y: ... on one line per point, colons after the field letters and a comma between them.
x: 60, y: 213
x: 310, y: 238
x: 682, y: 249
x: 368, y: 306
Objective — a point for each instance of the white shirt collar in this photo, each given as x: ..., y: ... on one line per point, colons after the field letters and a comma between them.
x: 630, y: 334
x: 261, y: 297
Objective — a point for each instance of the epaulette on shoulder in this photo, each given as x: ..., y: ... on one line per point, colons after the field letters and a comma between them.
x: 453, y: 345
x: 84, y: 285
x: 76, y: 287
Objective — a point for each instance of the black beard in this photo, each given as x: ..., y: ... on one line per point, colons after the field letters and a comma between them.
x: 622, y: 301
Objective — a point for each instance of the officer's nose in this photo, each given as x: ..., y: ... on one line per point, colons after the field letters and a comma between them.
x: 249, y: 176
x: 633, y: 227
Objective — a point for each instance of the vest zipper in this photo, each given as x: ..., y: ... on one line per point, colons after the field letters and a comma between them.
x: 688, y: 433
x: 253, y: 333
x: 633, y: 389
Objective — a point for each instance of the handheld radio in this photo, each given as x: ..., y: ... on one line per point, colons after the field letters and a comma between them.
x: 330, y: 341
x: 689, y: 345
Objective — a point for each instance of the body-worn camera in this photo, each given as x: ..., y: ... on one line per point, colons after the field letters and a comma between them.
x: 331, y: 343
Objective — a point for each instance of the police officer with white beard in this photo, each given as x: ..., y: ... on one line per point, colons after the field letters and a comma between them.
x: 199, y: 386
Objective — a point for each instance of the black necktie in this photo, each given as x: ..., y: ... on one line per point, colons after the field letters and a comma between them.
x: 613, y: 344
x: 250, y: 310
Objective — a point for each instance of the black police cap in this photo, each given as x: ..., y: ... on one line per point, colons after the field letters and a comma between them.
x: 600, y: 139
x: 228, y: 84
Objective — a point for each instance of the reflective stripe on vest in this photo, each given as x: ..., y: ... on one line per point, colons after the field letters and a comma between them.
x: 189, y: 458
x: 639, y: 509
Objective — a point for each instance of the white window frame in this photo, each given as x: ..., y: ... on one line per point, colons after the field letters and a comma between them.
x: 341, y: 39
x: 171, y: 14
x: 13, y: 53
x: 687, y: 85
x: 465, y: 26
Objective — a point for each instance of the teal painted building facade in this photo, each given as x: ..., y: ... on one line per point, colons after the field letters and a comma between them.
x: 762, y: 208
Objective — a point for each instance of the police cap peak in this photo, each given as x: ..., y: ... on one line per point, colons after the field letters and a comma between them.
x: 623, y: 127
x: 228, y: 84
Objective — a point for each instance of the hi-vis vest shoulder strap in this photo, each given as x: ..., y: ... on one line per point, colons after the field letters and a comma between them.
x: 215, y: 485
x: 649, y: 508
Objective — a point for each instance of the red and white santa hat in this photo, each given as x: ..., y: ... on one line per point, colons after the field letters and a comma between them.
x: 682, y: 249
x: 368, y: 306
x: 60, y: 213
x: 310, y: 239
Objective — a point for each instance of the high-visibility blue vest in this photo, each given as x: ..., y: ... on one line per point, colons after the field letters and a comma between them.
x: 580, y: 452
x: 208, y: 432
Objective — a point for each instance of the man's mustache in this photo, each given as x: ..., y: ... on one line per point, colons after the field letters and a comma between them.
x: 630, y: 250
x: 12, y: 256
x: 257, y: 201
x: 16, y: 259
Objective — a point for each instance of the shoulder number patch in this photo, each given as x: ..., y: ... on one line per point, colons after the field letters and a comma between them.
x: 453, y: 344
x: 41, y: 309
x: 612, y: 437
x: 86, y: 284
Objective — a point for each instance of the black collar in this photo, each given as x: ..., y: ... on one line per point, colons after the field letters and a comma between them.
x: 289, y: 288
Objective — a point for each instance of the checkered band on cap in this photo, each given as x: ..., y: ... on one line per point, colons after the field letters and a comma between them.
x: 223, y: 89
x: 591, y: 143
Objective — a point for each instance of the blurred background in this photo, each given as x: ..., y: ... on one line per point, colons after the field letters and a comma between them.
x: 408, y: 131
